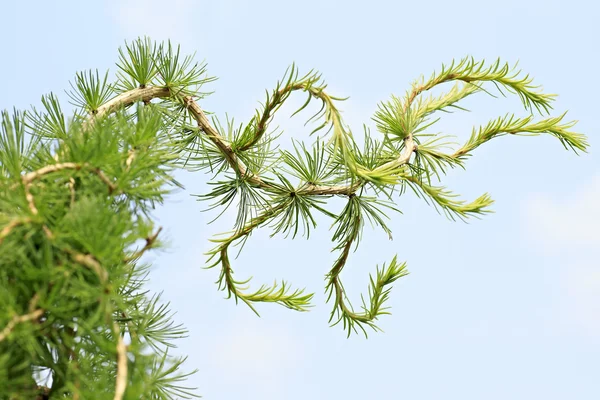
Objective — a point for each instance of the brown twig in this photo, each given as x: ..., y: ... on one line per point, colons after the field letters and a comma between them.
x: 11, y: 225
x: 17, y: 319
x: 121, y: 380
x: 150, y: 240
x: 132, y: 333
x: 30, y: 200
x: 89, y: 261
x: 44, y: 393
x: 104, y: 178
x: 128, y: 98
x: 48, y: 232
x: 30, y: 177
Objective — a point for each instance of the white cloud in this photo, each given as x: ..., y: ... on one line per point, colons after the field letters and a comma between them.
x: 571, y: 226
x: 571, y: 222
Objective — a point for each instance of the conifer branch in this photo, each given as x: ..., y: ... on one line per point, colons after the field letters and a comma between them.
x: 447, y: 200
x: 349, y: 227
x: 402, y: 121
x: 30, y: 177
x: 150, y: 241
x: 90, y: 262
x: 121, y: 379
x: 147, y: 94
x: 130, y: 136
x: 510, y: 125
x: 18, y: 319
x: 280, y: 294
x: 11, y: 225
x: 470, y: 71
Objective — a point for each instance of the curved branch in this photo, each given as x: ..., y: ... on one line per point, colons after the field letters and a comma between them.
x: 150, y: 241
x: 11, y: 225
x: 31, y: 176
x: 148, y: 93
x: 28, y: 179
x: 18, y: 319
x: 470, y: 71
x: 296, y: 300
x: 121, y: 379
x: 89, y: 261
x: 378, y: 293
x: 128, y: 98
x: 274, y: 102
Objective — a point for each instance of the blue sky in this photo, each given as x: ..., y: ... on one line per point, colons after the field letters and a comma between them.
x: 503, y: 307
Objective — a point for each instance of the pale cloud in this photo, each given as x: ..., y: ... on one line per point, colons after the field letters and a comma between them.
x: 570, y: 222
x: 569, y: 227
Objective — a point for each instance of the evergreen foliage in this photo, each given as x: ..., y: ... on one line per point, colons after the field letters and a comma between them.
x: 76, y: 194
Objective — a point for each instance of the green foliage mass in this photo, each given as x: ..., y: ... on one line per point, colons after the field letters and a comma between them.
x: 76, y: 196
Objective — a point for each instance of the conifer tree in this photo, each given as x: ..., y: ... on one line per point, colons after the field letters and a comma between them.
x: 77, y: 192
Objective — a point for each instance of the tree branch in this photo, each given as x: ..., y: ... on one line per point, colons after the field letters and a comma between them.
x: 121, y: 380
x: 11, y: 225
x: 149, y: 93
x: 150, y: 240
x: 17, y: 319
x: 89, y: 261
x: 296, y: 300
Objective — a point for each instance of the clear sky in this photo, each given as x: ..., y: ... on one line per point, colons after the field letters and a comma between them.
x: 507, y: 307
